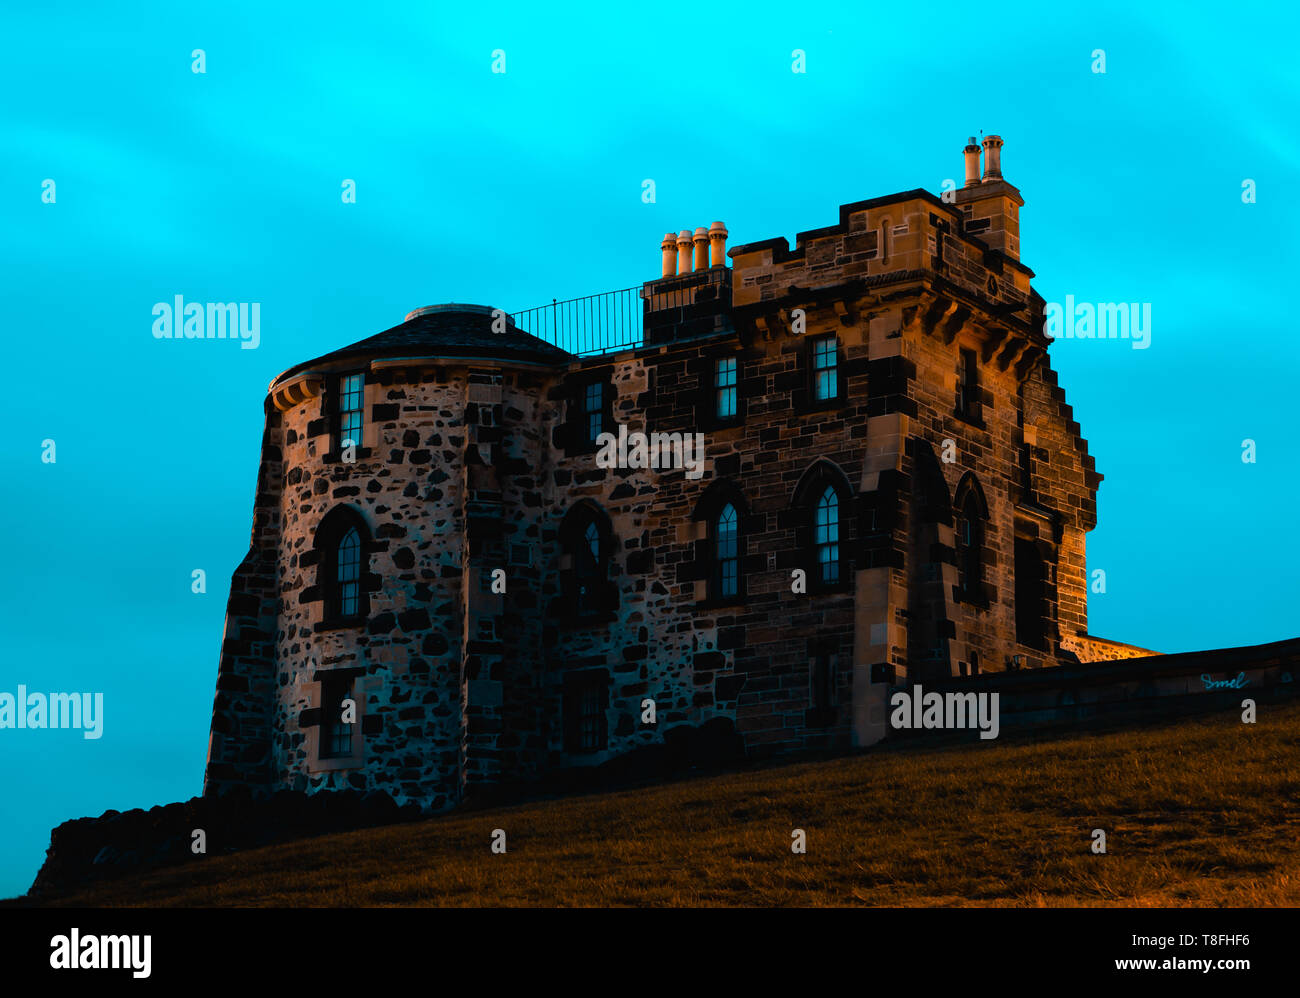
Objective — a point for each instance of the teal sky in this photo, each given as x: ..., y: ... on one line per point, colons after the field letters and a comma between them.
x: 512, y: 189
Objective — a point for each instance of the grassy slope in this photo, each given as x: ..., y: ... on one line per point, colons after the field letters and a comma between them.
x: 1201, y: 812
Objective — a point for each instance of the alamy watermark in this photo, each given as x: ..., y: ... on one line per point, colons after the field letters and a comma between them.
x: 1102, y: 321
x: 93, y: 952
x: 652, y: 450
x: 181, y: 320
x: 927, y: 711
x: 84, y: 711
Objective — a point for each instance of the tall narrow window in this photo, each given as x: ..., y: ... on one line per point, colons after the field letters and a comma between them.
x: 343, y: 579
x: 588, y: 570
x: 727, y: 551
x: 594, y: 407
x: 968, y: 385
x: 587, y: 548
x: 589, y: 719
x: 586, y: 698
x: 970, y: 543
x: 827, y: 535
x: 825, y: 369
x: 349, y: 574
x: 351, y: 391
x: 335, y: 734
x: 725, y: 381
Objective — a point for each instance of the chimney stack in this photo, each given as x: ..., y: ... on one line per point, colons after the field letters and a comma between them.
x: 718, y: 244
x: 701, y: 240
x: 972, y: 153
x: 991, y: 205
x: 992, y: 158
x: 669, y: 248
x: 697, y: 251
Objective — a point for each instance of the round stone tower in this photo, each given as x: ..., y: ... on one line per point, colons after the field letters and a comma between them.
x: 367, y: 644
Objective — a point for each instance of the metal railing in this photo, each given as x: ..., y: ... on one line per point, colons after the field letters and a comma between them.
x: 673, y: 307
x: 595, y: 324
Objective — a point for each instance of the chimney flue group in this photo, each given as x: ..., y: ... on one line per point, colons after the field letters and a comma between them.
x: 704, y: 248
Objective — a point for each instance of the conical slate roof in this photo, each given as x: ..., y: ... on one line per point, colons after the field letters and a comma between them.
x: 448, y: 331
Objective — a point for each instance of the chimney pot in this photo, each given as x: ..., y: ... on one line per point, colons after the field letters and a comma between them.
x: 718, y: 244
x: 669, y: 249
x: 992, y: 157
x: 684, y: 243
x: 972, y: 154
x: 701, y: 240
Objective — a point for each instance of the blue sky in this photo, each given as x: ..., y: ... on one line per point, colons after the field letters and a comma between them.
x: 512, y: 189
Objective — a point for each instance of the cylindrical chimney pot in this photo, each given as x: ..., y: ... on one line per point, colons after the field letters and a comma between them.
x: 972, y: 153
x: 684, y: 244
x: 718, y: 244
x: 992, y: 157
x: 669, y: 248
x: 701, y: 240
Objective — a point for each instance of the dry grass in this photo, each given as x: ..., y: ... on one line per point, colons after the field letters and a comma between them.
x: 1201, y: 812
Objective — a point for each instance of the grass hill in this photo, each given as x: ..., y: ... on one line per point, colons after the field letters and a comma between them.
x: 1196, y: 812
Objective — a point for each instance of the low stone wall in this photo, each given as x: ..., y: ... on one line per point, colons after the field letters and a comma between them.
x: 1135, y: 687
x: 117, y: 843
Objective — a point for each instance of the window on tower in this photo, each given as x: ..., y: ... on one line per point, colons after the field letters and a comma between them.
x: 335, y: 741
x: 351, y: 400
x: 342, y: 581
x: 586, y: 699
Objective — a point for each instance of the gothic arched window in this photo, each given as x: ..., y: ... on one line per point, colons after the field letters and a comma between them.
x: 720, y: 560
x: 726, y: 551
x: 822, y: 507
x: 588, y: 564
x: 348, y: 574
x: 343, y: 582
x: 826, y: 536
x: 587, y: 546
x: 972, y: 520
x: 970, y: 546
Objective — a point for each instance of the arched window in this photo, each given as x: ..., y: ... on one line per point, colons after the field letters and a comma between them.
x: 822, y: 505
x: 588, y: 564
x: 348, y: 575
x: 726, y: 551
x: 725, y: 522
x: 972, y: 520
x: 970, y: 546
x: 587, y: 546
x: 343, y: 582
x: 827, y: 536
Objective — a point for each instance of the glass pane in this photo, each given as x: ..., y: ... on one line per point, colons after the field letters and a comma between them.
x: 726, y: 403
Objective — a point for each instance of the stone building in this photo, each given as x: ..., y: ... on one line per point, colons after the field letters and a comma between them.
x: 893, y: 490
